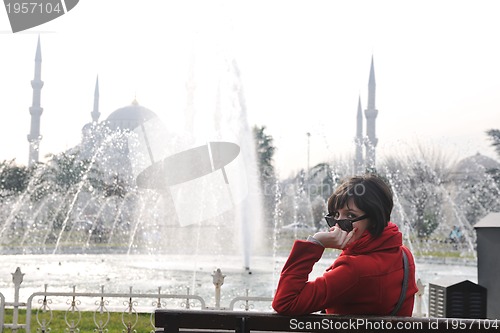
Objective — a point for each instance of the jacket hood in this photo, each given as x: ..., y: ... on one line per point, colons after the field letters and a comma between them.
x: 391, y: 237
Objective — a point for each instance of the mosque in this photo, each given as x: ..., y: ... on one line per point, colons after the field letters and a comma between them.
x: 131, y: 116
x: 124, y: 118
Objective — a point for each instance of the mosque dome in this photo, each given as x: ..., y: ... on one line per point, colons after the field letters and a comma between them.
x: 87, y: 128
x: 476, y: 163
x: 129, y: 117
x: 88, y: 131
x: 474, y: 166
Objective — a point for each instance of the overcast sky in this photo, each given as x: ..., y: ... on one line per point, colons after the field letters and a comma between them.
x: 303, y: 66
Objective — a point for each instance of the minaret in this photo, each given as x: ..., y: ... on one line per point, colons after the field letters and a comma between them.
x: 36, y: 110
x: 358, y: 141
x: 371, y: 115
x: 95, y: 112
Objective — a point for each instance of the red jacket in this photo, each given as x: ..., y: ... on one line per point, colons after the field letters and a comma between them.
x: 365, y: 279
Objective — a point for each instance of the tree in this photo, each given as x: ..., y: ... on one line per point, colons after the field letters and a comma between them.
x: 323, y: 179
x: 265, y: 153
x: 14, y: 179
x: 482, y: 191
x: 418, y: 181
x: 494, y: 135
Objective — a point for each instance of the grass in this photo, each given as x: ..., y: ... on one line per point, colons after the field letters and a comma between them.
x: 441, y: 249
x: 442, y: 254
x: 86, y: 324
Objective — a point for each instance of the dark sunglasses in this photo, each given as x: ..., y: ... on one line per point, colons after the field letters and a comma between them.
x: 345, y: 224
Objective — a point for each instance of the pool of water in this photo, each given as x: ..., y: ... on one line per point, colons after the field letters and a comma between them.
x: 175, y: 273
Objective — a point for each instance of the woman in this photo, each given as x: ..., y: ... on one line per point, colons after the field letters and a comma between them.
x: 367, y: 277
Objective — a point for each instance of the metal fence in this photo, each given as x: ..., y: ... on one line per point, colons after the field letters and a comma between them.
x: 40, y: 306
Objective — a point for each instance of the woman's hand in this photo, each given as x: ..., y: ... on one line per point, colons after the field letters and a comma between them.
x: 336, y: 238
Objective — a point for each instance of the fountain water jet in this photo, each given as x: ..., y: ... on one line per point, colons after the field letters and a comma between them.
x: 84, y: 201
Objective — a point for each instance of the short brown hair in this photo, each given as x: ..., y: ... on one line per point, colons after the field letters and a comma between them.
x: 370, y: 194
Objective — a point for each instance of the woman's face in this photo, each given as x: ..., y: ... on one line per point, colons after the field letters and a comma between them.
x: 351, y: 211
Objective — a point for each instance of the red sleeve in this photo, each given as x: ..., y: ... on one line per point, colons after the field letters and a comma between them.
x: 296, y: 295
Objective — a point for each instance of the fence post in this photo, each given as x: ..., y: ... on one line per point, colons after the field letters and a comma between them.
x: 218, y: 279
x: 2, y: 311
x: 420, y: 294
x: 17, y: 278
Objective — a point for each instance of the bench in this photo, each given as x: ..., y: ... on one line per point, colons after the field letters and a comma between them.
x: 174, y: 321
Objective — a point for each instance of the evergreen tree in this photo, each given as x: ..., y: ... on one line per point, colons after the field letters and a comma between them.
x: 265, y: 154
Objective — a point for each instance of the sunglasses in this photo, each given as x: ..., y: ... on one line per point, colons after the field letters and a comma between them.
x: 344, y: 224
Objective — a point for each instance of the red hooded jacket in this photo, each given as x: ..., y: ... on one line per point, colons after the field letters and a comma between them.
x: 366, y: 278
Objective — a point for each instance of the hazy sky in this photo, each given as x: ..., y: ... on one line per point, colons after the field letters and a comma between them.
x: 303, y: 65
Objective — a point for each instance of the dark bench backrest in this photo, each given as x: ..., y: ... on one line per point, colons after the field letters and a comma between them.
x: 173, y: 321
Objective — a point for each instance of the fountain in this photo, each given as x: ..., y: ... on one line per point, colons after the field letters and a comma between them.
x: 197, y: 207
x: 129, y: 250
x: 202, y: 178
x: 145, y: 206
x: 196, y: 203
